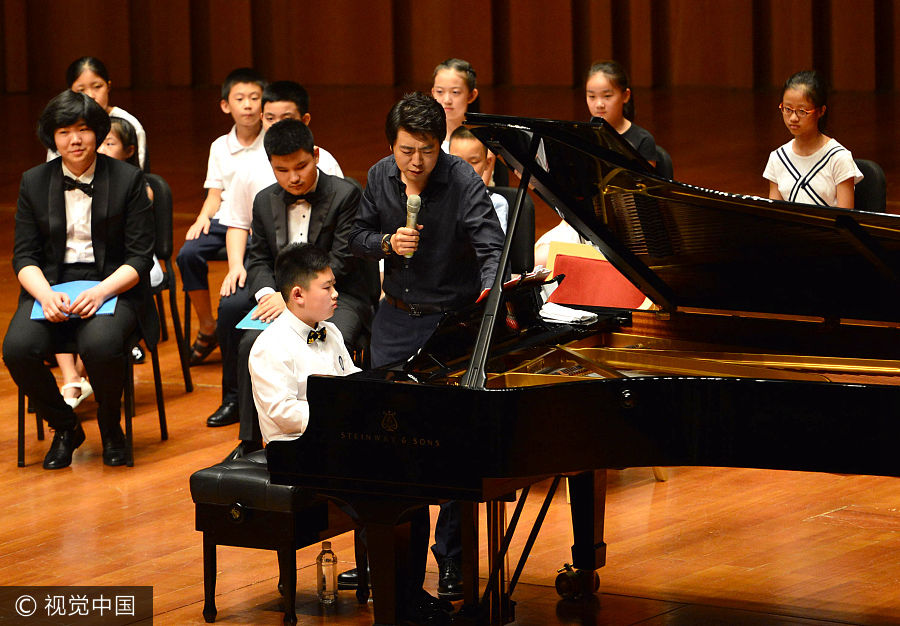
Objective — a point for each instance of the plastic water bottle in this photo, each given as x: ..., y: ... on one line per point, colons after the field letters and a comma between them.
x: 326, y: 575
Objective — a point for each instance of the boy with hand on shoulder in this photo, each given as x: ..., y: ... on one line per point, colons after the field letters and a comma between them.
x: 298, y: 343
x: 241, y: 95
x: 469, y: 148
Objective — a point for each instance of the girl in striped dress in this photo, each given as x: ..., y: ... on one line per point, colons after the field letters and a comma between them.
x: 812, y: 168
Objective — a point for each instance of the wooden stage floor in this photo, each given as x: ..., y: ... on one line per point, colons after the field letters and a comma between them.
x: 710, y: 546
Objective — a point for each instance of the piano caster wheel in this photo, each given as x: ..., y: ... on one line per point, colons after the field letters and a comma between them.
x: 574, y: 584
x: 362, y: 596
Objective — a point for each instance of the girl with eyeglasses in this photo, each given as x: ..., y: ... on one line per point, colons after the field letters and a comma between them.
x: 812, y: 168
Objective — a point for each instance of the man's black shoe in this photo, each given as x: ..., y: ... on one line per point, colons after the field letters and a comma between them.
x: 426, y: 609
x: 113, y: 446
x: 64, y: 444
x: 226, y: 414
x: 450, y: 585
x: 243, y: 449
x: 350, y: 579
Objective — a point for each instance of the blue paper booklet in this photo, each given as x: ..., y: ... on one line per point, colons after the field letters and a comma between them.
x: 74, y: 288
x: 251, y: 324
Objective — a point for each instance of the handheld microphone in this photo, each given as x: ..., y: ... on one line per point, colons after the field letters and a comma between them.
x: 413, y: 204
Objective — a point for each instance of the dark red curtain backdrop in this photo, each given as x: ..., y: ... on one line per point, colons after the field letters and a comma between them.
x: 733, y: 43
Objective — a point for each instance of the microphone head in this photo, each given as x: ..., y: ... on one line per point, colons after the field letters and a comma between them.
x: 413, y: 204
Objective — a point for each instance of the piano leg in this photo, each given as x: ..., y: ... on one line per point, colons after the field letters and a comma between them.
x: 469, y: 540
x: 384, y: 542
x: 588, y: 495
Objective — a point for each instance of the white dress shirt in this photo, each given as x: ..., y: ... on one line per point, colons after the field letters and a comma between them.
x: 280, y: 362
x: 79, y: 245
x: 252, y: 179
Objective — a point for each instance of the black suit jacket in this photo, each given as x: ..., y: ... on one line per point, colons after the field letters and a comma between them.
x: 333, y: 211
x: 122, y: 229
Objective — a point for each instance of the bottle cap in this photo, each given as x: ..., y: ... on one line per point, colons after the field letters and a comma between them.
x: 326, y: 545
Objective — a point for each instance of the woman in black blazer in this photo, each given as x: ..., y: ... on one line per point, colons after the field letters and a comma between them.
x: 81, y: 216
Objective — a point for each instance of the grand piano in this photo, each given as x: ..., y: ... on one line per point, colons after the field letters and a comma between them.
x: 774, y: 343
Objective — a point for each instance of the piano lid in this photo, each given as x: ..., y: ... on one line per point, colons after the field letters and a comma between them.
x: 689, y: 247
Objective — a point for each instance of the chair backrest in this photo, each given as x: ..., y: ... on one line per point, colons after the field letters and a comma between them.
x: 162, y: 215
x: 521, y: 253
x: 871, y: 192
x: 664, y: 163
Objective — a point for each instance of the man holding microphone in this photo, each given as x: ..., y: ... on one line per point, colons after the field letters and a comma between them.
x: 443, y: 264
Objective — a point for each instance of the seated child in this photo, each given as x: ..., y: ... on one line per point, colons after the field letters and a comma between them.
x: 811, y: 168
x: 298, y: 343
x: 89, y: 75
x: 241, y: 95
x: 466, y: 146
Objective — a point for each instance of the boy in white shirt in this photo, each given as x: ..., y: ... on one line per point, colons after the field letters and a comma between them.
x: 241, y: 98
x: 298, y: 343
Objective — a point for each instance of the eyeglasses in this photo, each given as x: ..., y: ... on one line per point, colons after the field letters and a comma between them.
x: 788, y: 111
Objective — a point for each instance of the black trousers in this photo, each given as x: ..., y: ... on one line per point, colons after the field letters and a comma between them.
x: 352, y: 317
x: 397, y: 335
x: 101, y: 342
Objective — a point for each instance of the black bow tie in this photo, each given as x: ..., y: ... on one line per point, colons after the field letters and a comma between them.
x: 70, y: 183
x: 316, y: 334
x: 290, y: 199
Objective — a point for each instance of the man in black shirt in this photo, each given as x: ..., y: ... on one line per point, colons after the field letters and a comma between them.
x: 455, y: 252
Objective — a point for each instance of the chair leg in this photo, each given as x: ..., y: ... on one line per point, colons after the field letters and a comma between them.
x: 287, y: 568
x: 161, y: 309
x: 39, y: 423
x: 187, y: 321
x: 129, y: 413
x: 209, y: 579
x: 21, y: 442
x: 183, y: 353
x: 160, y: 403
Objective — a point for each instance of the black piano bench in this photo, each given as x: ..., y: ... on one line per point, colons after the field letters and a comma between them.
x: 237, y: 505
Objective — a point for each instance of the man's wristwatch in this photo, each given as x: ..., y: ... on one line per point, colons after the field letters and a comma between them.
x: 386, y: 243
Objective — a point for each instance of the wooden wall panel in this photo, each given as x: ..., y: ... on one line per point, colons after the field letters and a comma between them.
x: 161, y: 43
x: 221, y: 39
x: 730, y: 43
x: 792, y: 40
x: 60, y: 32
x: 14, y: 47
x: 853, y: 44
x: 328, y: 42
x: 592, y: 32
x: 641, y: 59
x: 711, y: 42
x: 540, y: 43
x: 426, y: 36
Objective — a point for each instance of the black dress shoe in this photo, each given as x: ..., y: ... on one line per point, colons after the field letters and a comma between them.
x: 450, y: 586
x: 113, y: 446
x: 350, y: 579
x: 226, y: 414
x: 426, y: 609
x: 243, y: 449
x: 64, y: 444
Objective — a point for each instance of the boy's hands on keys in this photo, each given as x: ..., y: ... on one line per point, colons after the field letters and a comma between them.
x: 270, y: 306
x: 233, y: 279
x: 201, y: 225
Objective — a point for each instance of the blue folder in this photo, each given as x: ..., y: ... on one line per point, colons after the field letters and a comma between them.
x: 73, y: 289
